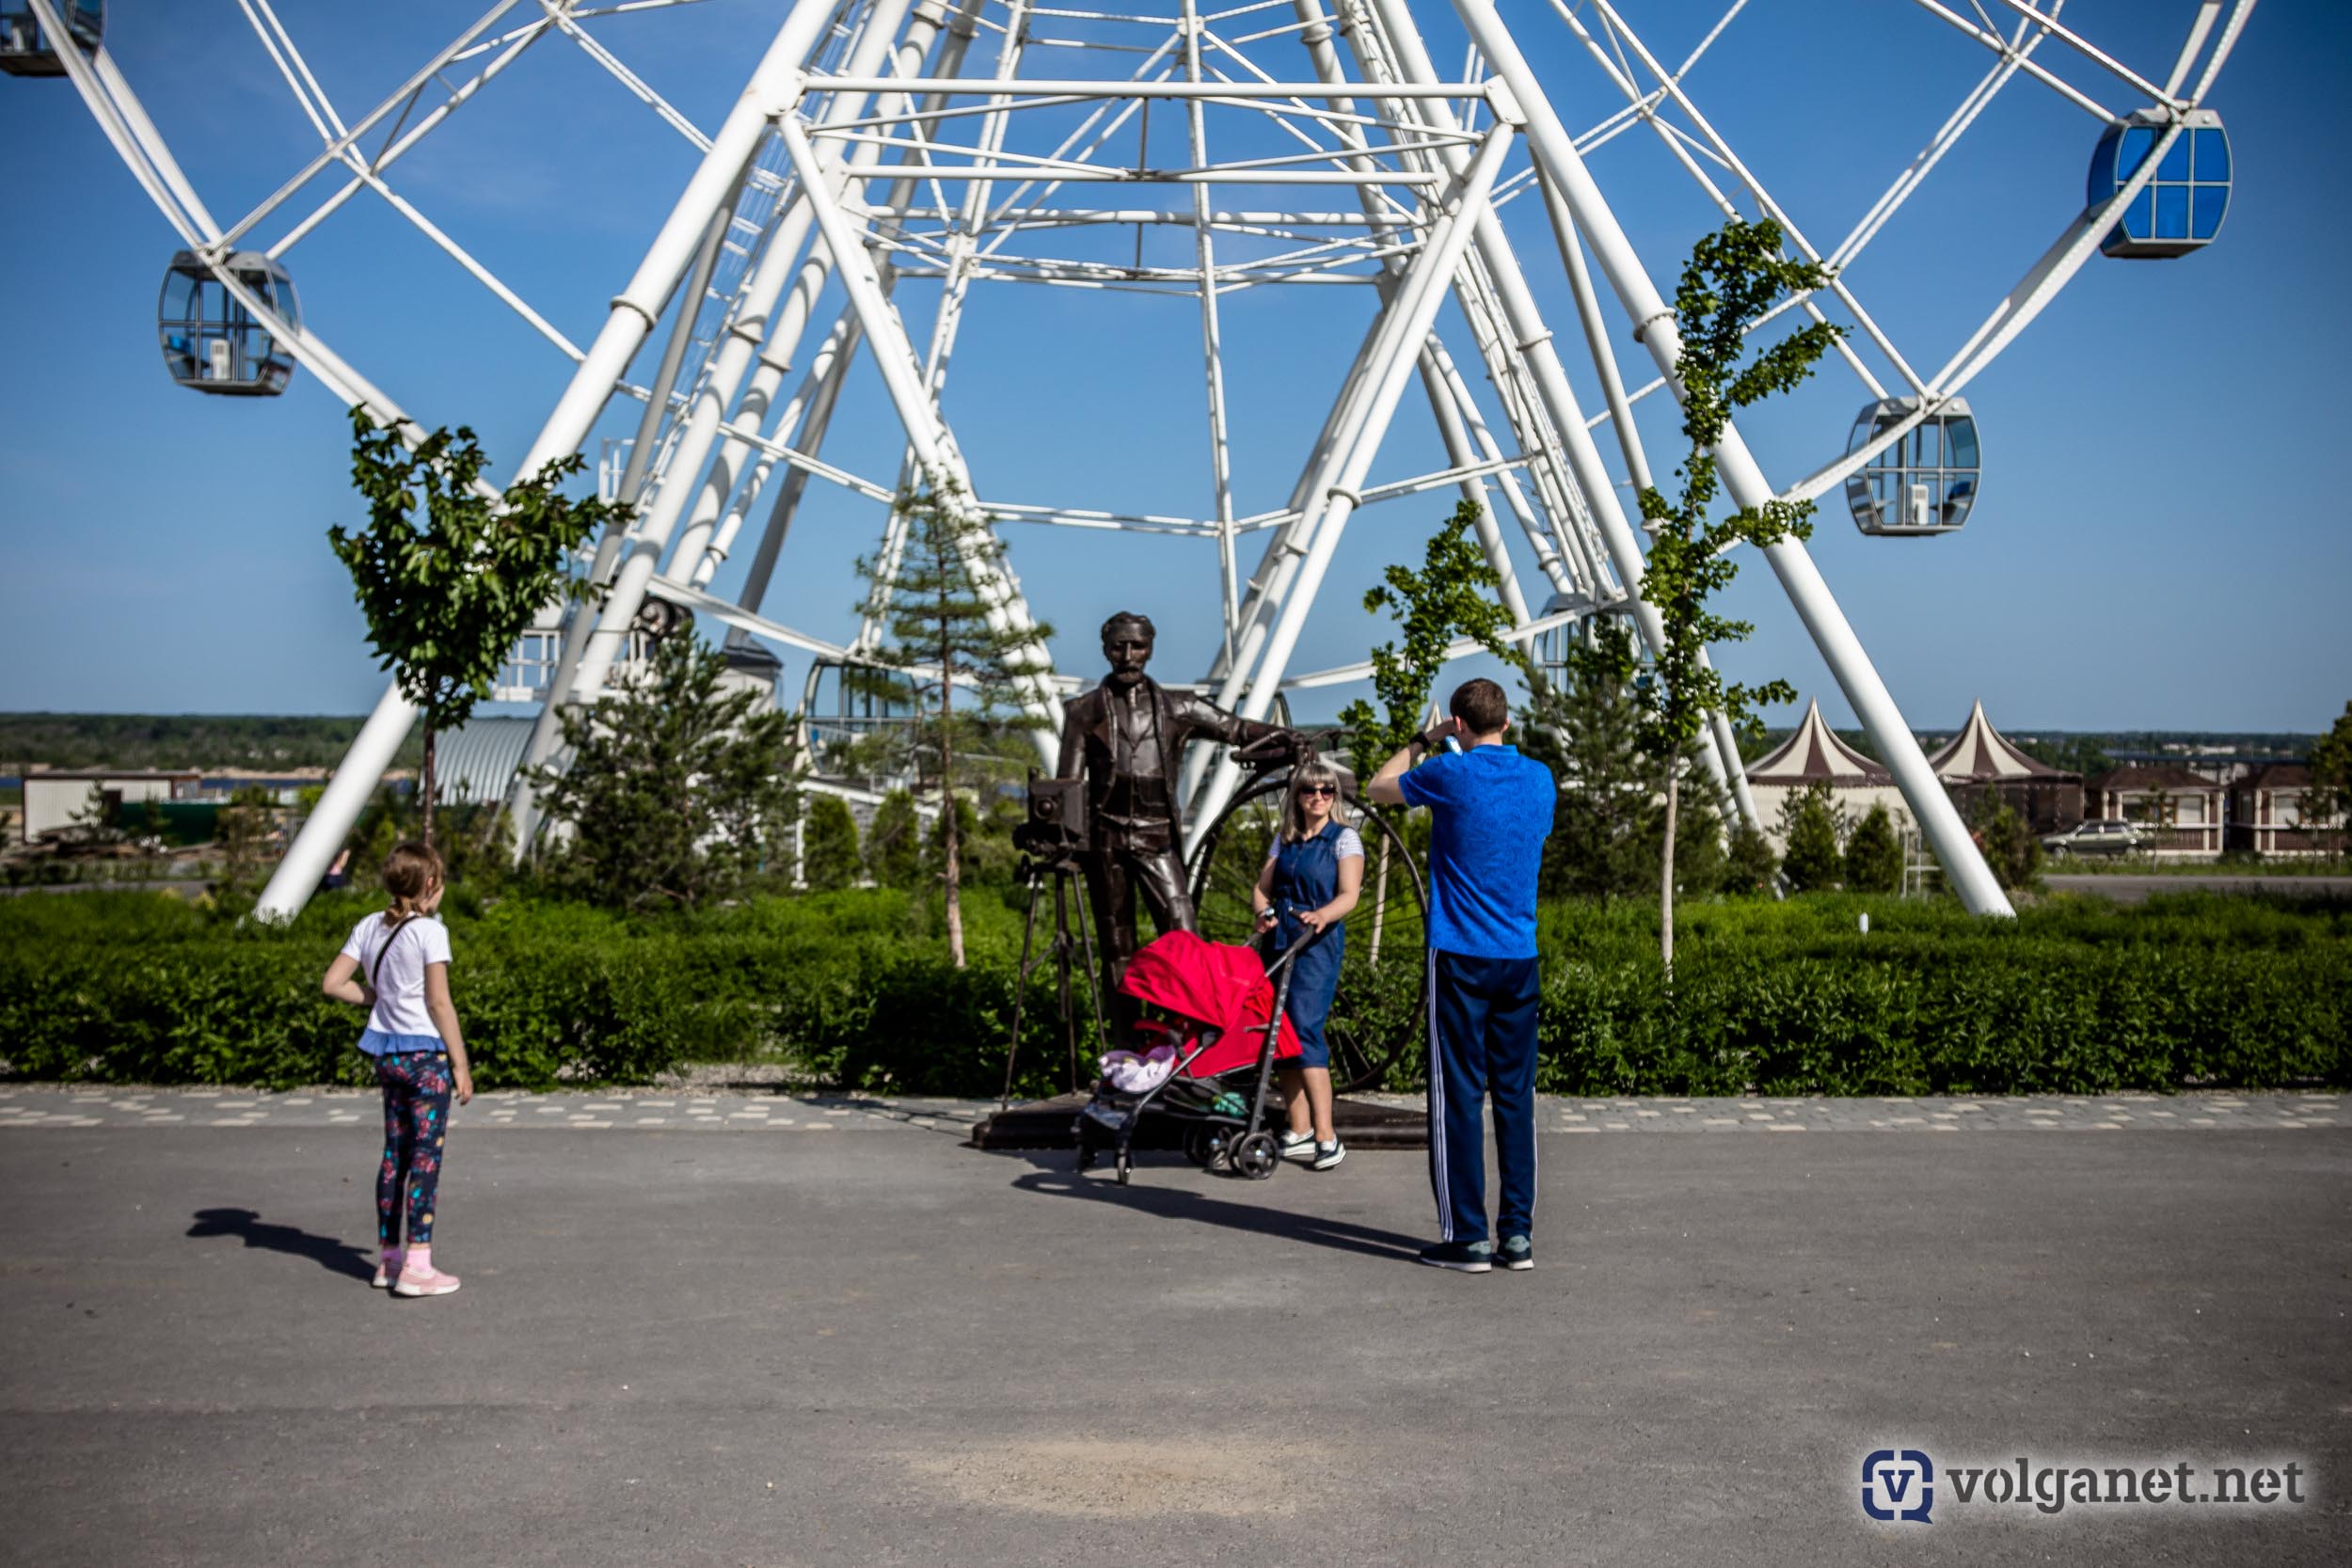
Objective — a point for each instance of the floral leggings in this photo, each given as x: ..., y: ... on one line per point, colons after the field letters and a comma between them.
x: 416, y: 1120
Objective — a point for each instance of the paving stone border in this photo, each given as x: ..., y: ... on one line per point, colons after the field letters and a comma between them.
x: 26, y: 1105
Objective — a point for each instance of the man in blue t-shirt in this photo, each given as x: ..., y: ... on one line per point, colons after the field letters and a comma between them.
x: 1490, y: 809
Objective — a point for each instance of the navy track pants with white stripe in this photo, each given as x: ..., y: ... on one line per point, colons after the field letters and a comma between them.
x: 1482, y: 1044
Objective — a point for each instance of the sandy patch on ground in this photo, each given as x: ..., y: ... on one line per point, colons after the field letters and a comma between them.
x: 1103, y: 1479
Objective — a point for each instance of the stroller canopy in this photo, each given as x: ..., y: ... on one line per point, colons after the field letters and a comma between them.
x: 1223, y: 987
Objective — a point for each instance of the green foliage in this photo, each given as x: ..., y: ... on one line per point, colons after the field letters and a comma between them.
x: 1451, y: 597
x: 1749, y: 863
x: 446, y: 597
x: 1733, y: 278
x: 1810, y: 828
x: 1874, y: 854
x: 828, y: 851
x: 243, y: 833
x: 2076, y: 996
x: 2330, y: 796
x: 680, y: 792
x: 894, y: 851
x: 936, y: 607
x: 81, y: 740
x: 1586, y: 730
x: 2009, y: 846
x: 2084, y: 755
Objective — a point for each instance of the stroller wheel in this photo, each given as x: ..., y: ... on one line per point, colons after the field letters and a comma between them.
x: 1124, y: 1166
x: 1201, y: 1145
x: 1086, y: 1156
x: 1256, y: 1156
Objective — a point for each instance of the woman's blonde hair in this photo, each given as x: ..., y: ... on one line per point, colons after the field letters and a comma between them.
x: 1294, y: 813
x: 411, y: 872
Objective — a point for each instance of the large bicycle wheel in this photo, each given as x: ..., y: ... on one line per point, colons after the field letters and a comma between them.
x: 1379, y: 1012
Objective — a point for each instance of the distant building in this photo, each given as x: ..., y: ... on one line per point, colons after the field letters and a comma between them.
x: 2180, y: 805
x: 54, y: 797
x: 1980, y: 760
x: 1812, y: 755
x: 2266, y: 816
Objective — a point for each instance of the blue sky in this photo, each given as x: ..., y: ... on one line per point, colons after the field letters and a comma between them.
x: 2156, y: 546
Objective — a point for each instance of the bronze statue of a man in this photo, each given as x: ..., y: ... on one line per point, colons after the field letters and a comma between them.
x: 1127, y: 736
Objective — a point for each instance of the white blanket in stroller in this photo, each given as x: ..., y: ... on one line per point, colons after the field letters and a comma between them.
x: 1129, y: 1074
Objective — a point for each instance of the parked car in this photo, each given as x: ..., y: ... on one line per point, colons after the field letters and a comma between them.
x: 2107, y: 836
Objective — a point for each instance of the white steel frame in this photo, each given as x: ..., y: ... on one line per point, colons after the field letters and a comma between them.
x: 872, y: 143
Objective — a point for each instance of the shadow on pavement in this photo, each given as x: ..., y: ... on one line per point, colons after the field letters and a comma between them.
x: 1174, y: 1204
x: 329, y: 1253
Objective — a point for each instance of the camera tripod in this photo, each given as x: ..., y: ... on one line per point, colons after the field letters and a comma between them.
x: 1062, y: 870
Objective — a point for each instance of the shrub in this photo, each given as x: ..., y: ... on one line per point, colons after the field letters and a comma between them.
x: 2076, y: 995
x: 1874, y: 856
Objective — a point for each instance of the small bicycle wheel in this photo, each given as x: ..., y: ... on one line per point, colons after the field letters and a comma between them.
x: 1257, y: 1156
x: 1378, y: 1016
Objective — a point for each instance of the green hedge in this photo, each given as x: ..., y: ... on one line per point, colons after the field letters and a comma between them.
x: 2076, y: 996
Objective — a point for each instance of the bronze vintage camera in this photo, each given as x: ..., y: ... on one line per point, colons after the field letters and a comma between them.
x: 1056, y: 827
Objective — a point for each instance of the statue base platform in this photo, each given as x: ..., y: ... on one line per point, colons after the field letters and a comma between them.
x: 1046, y: 1124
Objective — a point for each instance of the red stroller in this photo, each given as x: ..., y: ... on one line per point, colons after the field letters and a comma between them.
x: 1223, y: 996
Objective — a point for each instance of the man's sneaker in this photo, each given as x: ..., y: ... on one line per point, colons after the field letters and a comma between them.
x: 1298, y: 1145
x: 1468, y: 1257
x: 1515, y: 1253
x: 1328, y: 1155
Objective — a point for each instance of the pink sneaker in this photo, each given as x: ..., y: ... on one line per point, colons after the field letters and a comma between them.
x: 387, y: 1268
x: 418, y: 1278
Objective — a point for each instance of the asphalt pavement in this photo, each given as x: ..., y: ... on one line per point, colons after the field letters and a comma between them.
x: 699, y: 1344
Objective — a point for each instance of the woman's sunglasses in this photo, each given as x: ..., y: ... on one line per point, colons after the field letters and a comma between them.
x: 1318, y: 789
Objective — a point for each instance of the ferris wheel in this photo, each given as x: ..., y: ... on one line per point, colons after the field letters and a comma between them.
x: 1314, y: 143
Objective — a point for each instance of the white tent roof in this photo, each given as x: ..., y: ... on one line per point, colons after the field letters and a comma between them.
x: 1980, y: 752
x: 1815, y: 753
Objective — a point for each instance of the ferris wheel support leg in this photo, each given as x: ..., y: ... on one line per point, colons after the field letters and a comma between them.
x: 1418, y: 294
x: 731, y: 154
x: 926, y: 430
x: 321, y: 838
x: 1556, y: 156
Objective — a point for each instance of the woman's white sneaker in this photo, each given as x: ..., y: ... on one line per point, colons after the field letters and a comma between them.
x: 1328, y: 1155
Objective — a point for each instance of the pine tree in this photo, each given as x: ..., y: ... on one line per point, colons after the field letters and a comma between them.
x: 679, y: 790
x: 894, y: 842
x: 941, y: 648
x: 1749, y: 865
x: 1874, y: 854
x: 829, y: 852
x: 1809, y: 827
x: 1587, y: 731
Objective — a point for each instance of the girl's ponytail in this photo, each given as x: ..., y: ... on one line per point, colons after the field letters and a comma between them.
x: 410, y: 872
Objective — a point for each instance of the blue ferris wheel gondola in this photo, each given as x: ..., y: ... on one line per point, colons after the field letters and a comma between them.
x: 2181, y: 208
x: 211, y: 342
x: 27, y: 50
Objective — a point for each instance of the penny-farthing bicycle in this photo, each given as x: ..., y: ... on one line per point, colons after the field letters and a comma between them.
x: 1378, y: 1015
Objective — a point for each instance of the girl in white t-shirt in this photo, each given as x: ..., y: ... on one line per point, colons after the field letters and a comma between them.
x: 396, y: 965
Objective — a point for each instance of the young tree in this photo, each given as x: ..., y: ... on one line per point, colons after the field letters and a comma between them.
x: 828, y: 855
x: 1451, y: 597
x: 1874, y: 854
x: 1810, y: 828
x: 447, y: 595
x: 1587, y: 731
x: 930, y: 602
x: 2010, y: 848
x: 1733, y: 278
x: 1749, y: 864
x: 242, y: 829
x: 2327, y: 799
x: 679, y: 790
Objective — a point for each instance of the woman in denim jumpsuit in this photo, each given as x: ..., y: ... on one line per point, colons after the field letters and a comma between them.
x: 1313, y: 872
